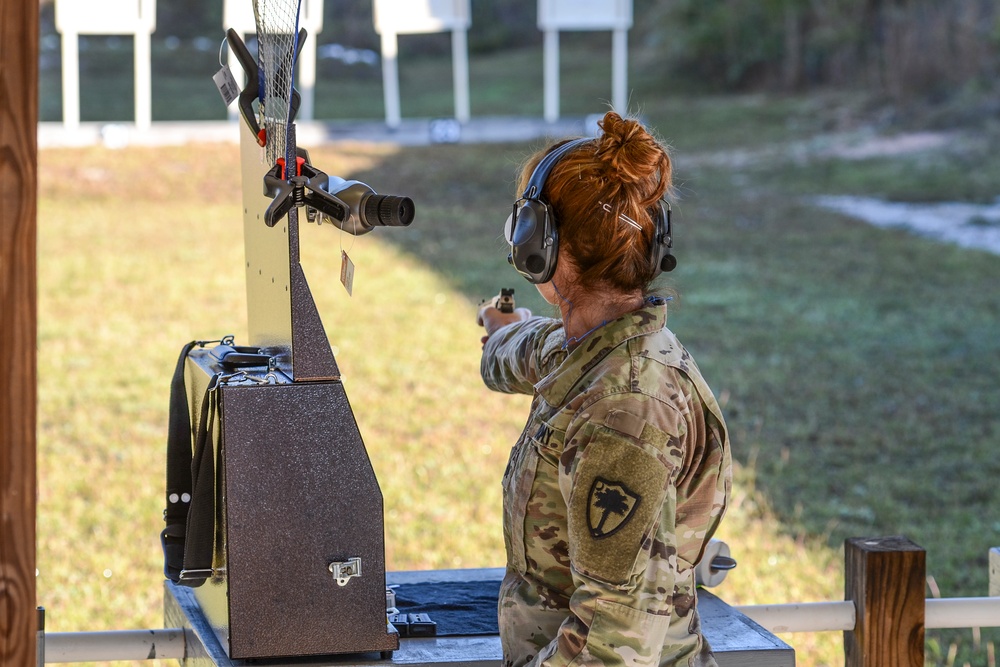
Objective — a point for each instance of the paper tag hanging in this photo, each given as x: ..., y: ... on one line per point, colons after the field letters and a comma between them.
x: 226, y: 84
x: 347, y: 272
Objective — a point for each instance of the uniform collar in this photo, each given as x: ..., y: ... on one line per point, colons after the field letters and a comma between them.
x: 651, y: 318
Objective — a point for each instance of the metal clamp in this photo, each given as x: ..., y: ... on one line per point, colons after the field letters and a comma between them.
x: 345, y: 571
x: 305, y: 186
x: 228, y: 339
x: 243, y: 376
x: 238, y: 376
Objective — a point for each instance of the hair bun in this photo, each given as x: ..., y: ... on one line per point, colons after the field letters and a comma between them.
x: 627, y: 150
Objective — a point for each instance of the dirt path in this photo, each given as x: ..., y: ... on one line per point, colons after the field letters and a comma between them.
x: 965, y: 224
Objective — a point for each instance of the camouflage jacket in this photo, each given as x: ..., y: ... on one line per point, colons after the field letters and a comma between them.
x: 611, y: 493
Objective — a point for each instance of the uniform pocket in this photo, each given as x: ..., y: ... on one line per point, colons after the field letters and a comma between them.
x: 623, y: 635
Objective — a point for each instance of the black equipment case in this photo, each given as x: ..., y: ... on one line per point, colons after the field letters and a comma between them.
x: 285, y: 507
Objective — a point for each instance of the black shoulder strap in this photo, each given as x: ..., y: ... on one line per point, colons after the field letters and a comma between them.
x: 190, y: 493
x: 199, y: 543
x: 178, y: 472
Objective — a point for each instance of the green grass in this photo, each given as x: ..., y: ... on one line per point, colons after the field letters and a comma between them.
x: 856, y: 366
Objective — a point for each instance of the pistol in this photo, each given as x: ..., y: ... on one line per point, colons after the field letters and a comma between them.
x: 505, y: 301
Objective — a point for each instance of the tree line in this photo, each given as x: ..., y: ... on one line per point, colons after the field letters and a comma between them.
x: 901, y: 47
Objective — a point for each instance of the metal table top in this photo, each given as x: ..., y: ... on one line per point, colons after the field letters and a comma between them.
x: 735, y: 639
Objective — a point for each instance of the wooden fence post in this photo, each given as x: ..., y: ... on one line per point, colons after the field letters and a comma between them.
x: 885, y: 577
x: 995, y: 571
x: 18, y: 212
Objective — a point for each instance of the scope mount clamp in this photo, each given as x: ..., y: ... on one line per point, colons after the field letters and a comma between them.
x: 306, y: 188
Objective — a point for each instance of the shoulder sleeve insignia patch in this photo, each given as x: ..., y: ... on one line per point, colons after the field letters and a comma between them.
x: 610, y: 506
x: 617, y: 496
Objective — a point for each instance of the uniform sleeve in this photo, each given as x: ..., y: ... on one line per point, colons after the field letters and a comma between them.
x: 618, y: 477
x: 520, y: 354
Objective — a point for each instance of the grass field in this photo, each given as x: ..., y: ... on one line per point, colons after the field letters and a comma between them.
x: 857, y: 367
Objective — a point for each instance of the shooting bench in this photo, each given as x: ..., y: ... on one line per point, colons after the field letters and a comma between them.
x: 735, y: 639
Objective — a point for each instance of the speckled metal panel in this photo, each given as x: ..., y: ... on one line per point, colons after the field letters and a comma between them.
x: 299, y: 494
x: 312, y: 358
x: 281, y: 313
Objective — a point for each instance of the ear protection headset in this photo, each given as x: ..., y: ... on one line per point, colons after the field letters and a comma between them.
x: 533, y: 235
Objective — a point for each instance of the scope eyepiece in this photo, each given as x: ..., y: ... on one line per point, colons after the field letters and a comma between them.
x: 388, y: 210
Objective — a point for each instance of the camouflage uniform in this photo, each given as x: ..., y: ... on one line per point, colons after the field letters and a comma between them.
x: 611, y: 493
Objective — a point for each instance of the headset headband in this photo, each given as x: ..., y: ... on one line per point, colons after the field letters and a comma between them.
x: 537, y: 181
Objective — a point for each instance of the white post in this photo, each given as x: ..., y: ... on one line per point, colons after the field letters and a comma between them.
x: 460, y: 59
x: 71, y: 79
x: 143, y: 81
x: 551, y: 76
x: 619, y: 70
x: 390, y: 78
x: 144, y: 28
x: 238, y: 15
x: 311, y: 19
x: 307, y: 78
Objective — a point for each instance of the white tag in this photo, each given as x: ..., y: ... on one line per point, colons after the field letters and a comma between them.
x: 347, y: 272
x: 226, y: 84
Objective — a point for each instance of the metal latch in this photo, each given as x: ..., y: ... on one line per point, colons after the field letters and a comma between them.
x: 202, y: 573
x: 344, y: 572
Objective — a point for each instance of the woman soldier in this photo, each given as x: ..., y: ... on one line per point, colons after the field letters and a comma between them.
x: 622, y: 473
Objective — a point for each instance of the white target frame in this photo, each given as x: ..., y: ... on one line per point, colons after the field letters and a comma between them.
x: 109, y: 17
x: 557, y: 15
x: 398, y: 17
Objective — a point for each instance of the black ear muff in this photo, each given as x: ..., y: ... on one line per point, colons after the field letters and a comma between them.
x: 531, y: 229
x: 533, y: 241
x: 661, y: 258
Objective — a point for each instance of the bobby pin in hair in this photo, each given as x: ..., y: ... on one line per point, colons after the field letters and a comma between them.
x: 623, y: 217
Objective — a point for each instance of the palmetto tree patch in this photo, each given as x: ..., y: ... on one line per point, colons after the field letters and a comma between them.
x: 611, y: 505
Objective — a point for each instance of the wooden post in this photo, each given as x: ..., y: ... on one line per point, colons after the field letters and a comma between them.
x: 885, y: 577
x: 18, y: 210
x: 995, y: 571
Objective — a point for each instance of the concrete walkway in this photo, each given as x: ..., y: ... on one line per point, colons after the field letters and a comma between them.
x: 411, y: 132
